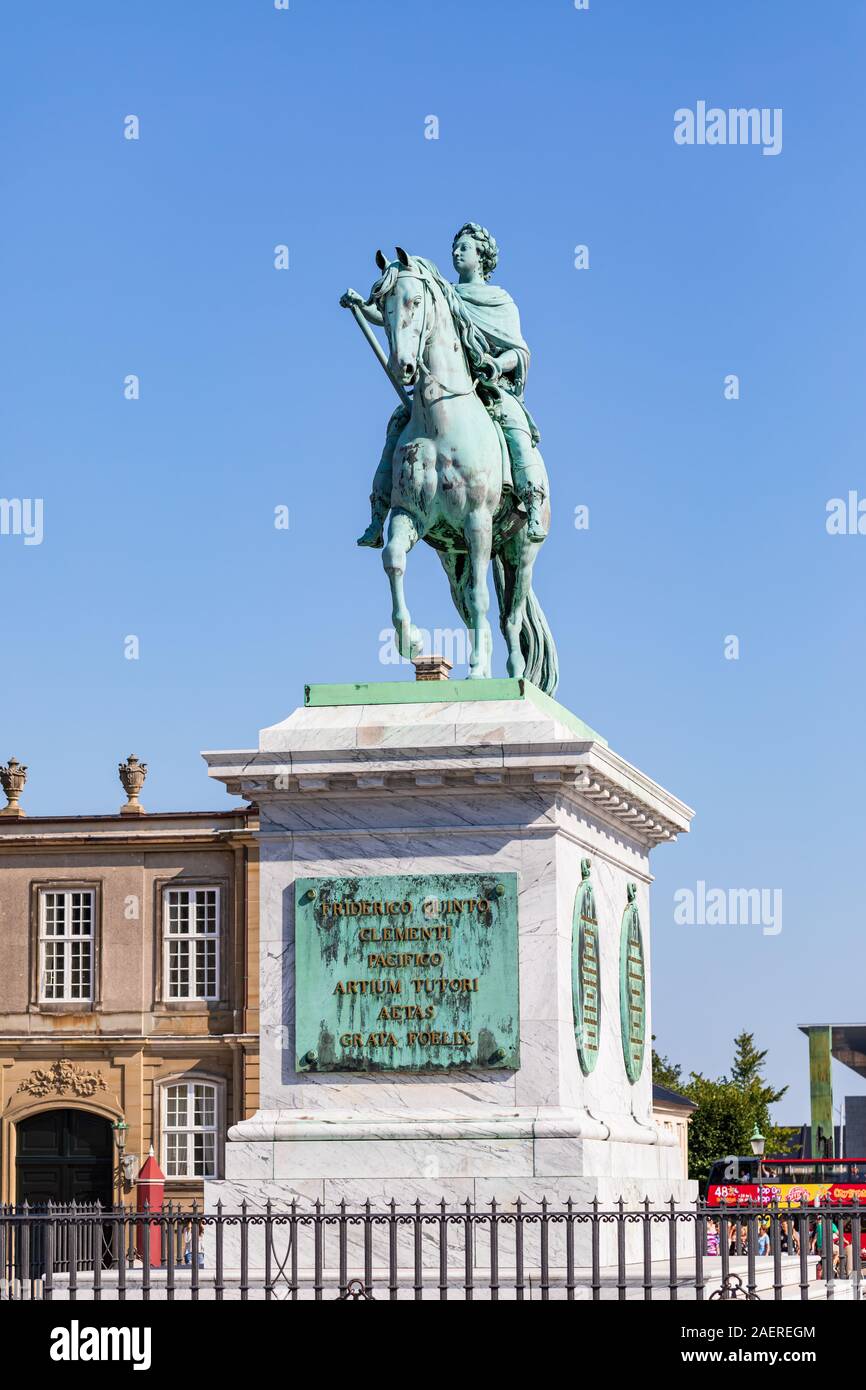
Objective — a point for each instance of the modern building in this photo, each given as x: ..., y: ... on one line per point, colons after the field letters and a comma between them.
x: 845, y: 1043
x: 128, y: 999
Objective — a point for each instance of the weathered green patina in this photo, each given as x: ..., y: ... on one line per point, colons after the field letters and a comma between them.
x: 632, y: 988
x: 461, y: 468
x: 585, y: 994
x: 821, y: 1093
x: 446, y: 692
x: 413, y: 972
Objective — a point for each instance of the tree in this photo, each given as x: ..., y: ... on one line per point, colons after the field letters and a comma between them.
x: 720, y: 1125
x: 728, y: 1109
x: 748, y: 1070
x: 747, y: 1074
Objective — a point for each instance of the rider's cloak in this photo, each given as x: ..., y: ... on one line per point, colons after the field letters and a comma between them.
x: 495, y: 315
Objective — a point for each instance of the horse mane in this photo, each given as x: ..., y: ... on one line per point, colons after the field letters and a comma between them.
x: 473, y: 343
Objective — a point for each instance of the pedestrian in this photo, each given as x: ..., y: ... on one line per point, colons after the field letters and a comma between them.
x: 187, y: 1242
x: 713, y: 1246
x: 789, y: 1238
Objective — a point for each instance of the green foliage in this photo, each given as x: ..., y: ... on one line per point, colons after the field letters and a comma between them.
x: 721, y: 1124
x: 785, y: 1140
x: 748, y: 1070
x: 728, y: 1108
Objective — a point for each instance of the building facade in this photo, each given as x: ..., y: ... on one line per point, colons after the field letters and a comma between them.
x: 128, y: 997
x: 672, y: 1112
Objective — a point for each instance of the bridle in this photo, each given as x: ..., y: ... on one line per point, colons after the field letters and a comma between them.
x: 422, y: 341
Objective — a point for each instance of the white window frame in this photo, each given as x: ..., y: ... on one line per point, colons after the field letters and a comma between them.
x: 190, y: 891
x: 188, y: 1083
x: 68, y: 940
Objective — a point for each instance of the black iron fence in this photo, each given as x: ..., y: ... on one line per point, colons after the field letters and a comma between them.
x: 311, y: 1251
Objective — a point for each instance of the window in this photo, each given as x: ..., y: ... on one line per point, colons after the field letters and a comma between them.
x: 191, y: 943
x: 66, y: 945
x: 190, y: 1129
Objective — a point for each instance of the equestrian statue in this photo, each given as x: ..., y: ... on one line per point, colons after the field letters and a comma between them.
x: 461, y: 468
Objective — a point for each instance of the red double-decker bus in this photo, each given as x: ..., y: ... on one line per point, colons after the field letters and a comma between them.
x: 733, y: 1181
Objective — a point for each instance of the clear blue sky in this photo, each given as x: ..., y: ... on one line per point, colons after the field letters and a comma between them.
x: 707, y: 516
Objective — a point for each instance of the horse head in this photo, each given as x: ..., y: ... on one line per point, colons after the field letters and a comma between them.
x: 404, y: 295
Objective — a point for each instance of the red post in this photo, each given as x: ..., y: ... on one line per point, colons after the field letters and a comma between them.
x: 150, y: 1186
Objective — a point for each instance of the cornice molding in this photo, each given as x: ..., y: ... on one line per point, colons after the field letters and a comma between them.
x: 592, y: 777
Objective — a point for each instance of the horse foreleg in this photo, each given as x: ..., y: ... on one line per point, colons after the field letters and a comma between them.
x: 402, y: 535
x: 478, y: 531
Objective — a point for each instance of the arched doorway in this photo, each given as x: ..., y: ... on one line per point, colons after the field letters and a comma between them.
x: 64, y: 1156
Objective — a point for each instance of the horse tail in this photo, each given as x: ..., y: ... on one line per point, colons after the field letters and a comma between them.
x: 538, y: 647
x: 536, y: 639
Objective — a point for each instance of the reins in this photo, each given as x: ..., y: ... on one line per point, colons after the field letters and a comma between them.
x: 422, y: 365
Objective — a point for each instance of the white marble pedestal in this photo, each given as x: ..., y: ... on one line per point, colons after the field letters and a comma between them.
x: 436, y: 777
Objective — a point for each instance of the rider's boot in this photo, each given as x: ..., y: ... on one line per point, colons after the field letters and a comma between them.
x: 373, y: 536
x: 532, y: 497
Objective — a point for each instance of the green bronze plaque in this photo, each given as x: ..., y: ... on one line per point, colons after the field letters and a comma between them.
x: 407, y: 973
x: 632, y: 988
x: 585, y: 995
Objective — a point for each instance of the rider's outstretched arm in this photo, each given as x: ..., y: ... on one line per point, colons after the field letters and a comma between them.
x: 372, y: 314
x: 352, y: 299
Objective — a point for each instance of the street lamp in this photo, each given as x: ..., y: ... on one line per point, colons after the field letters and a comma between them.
x: 758, y: 1142
x: 120, y: 1127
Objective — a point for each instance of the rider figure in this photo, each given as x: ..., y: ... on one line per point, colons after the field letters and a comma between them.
x: 494, y: 314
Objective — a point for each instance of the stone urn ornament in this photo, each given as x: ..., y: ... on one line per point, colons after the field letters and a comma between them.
x: 132, y: 774
x: 13, y: 777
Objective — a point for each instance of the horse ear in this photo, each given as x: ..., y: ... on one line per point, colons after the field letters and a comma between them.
x: 380, y: 261
x: 402, y: 257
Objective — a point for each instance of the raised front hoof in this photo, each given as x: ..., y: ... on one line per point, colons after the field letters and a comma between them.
x: 410, y: 641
